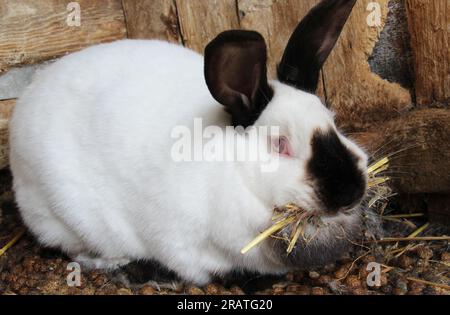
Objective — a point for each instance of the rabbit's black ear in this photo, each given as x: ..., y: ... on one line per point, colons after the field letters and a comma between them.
x: 311, y: 43
x: 236, y: 74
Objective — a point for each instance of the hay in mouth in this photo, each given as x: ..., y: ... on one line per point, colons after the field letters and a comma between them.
x: 291, y: 221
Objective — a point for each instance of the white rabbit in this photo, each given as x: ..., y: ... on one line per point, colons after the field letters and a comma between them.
x: 91, y: 153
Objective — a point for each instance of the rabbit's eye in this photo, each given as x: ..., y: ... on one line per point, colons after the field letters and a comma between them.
x: 282, y: 146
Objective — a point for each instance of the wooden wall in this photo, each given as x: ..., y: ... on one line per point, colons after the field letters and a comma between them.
x: 35, y: 31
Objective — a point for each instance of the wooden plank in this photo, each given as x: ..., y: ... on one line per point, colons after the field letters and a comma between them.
x: 420, y: 140
x: 6, y: 108
x: 359, y: 97
x: 152, y: 19
x: 429, y: 25
x: 31, y: 31
x: 391, y: 58
x: 202, y: 20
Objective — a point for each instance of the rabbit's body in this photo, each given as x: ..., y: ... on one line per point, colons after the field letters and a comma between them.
x: 92, y: 142
x: 92, y: 166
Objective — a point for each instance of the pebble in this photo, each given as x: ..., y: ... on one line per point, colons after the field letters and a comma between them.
x: 415, y: 288
x: 401, y: 287
x: 303, y: 290
x: 124, y: 291
x: 23, y: 291
x: 295, y: 288
x: 425, y: 252
x: 445, y: 256
x: 387, y: 289
x: 236, y: 290
x: 107, y: 289
x: 147, y: 290
x: 405, y: 262
x: 194, y: 291
x: 368, y: 259
x: 324, y: 280
x: 212, y: 289
x: 359, y: 291
x: 74, y: 291
x: 341, y: 272
x: 100, y: 280
x: 398, y: 291
x: 353, y: 282
x: 314, y: 275
x: 278, y: 291
x: 318, y: 291
x: 384, y: 279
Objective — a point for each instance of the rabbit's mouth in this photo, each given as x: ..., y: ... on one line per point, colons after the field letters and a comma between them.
x: 324, y: 240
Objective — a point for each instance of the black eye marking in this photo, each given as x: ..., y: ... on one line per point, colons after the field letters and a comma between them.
x: 339, y: 182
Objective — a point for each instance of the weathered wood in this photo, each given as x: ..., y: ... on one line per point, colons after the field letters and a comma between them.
x: 391, y: 58
x: 150, y: 19
x: 6, y: 108
x: 201, y: 20
x: 358, y: 96
x: 429, y: 25
x: 420, y: 141
x: 32, y: 31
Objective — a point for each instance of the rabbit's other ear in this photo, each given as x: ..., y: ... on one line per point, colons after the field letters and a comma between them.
x: 311, y: 43
x: 236, y: 74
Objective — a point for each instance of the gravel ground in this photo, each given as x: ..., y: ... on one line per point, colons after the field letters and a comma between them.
x: 27, y: 268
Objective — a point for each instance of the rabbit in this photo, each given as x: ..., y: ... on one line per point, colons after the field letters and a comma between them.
x: 91, y: 142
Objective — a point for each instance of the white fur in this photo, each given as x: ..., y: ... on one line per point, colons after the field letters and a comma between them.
x: 90, y: 155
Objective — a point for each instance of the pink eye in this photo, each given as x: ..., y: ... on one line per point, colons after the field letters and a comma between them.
x: 282, y: 146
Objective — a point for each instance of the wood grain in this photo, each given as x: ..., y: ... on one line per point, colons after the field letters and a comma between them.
x: 420, y: 139
x: 202, y: 20
x: 31, y: 31
x: 359, y: 97
x: 391, y: 58
x: 152, y: 19
x: 429, y: 25
x: 6, y: 108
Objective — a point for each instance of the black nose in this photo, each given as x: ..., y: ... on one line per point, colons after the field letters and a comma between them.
x: 339, y: 182
x: 343, y: 197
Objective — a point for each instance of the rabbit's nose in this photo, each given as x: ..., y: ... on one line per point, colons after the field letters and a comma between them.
x: 345, y: 200
x: 340, y: 183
